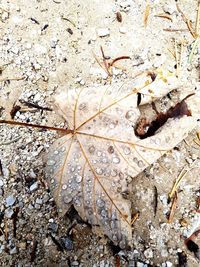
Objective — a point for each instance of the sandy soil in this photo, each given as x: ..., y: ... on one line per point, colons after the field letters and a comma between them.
x: 48, y: 45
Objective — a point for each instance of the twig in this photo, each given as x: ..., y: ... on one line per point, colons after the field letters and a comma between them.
x: 187, y: 21
x: 174, y: 30
x: 11, y: 79
x: 155, y: 200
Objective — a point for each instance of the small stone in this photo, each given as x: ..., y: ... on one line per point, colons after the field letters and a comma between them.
x: 39, y: 201
x: 1, y: 182
x: 148, y: 253
x: 170, y: 8
x: 75, y: 263
x: 9, y: 213
x: 37, y: 97
x: 122, y: 30
x: 67, y: 243
x: 13, y: 251
x: 168, y: 264
x: 34, y: 186
x: 102, y: 32
x: 10, y: 200
x: 53, y: 227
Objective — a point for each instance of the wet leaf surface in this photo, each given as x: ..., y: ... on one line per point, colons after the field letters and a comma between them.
x: 92, y: 167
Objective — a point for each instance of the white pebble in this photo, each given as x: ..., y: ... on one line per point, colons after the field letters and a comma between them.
x: 122, y: 30
x: 102, y: 32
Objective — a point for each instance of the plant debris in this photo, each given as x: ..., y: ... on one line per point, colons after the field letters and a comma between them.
x: 146, y: 129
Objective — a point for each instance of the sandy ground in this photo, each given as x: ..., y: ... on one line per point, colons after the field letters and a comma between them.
x: 49, y: 45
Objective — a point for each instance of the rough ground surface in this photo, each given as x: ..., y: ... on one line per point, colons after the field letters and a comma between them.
x: 48, y: 45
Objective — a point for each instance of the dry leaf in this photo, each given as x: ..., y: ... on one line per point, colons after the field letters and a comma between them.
x: 91, y: 168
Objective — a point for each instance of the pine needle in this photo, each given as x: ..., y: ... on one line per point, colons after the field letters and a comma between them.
x: 164, y: 16
x: 182, y: 174
x: 146, y: 13
x: 187, y: 22
x: 195, y: 45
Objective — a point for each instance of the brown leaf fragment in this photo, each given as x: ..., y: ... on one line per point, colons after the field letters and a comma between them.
x: 146, y: 129
x: 119, y: 16
x: 14, y: 110
x: 34, y: 105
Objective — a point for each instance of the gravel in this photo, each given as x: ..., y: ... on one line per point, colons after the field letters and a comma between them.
x: 36, y: 62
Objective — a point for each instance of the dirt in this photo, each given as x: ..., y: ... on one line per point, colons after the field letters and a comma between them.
x: 47, y: 46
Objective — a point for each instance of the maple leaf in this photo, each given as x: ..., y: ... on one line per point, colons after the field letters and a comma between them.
x: 92, y: 166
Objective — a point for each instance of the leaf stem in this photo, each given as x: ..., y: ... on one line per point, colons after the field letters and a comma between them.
x: 24, y: 124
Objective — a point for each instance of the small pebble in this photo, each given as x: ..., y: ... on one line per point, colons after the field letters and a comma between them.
x: 10, y: 200
x: 34, y: 187
x: 102, y: 32
x: 1, y: 182
x: 67, y: 242
x: 122, y: 30
x: 9, y: 213
x: 148, y: 253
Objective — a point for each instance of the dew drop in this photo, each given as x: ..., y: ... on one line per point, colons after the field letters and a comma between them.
x: 67, y: 199
x: 79, y: 178
x: 91, y: 149
x: 111, y: 149
x: 131, y: 115
x: 99, y: 171
x: 82, y: 106
x: 51, y: 162
x: 52, y: 181
x: 127, y: 151
x: 99, y: 153
x: 104, y: 213
x: 56, y: 152
x: 77, y: 201
x: 140, y: 163
x: 63, y: 149
x: 100, y: 203
x: 135, y: 160
x: 113, y: 173
x: 116, y: 160
x: 112, y: 126
x: 104, y: 160
x: 64, y: 186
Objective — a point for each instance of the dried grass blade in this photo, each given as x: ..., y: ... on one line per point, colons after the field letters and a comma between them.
x: 164, y: 16
x: 146, y: 13
x: 173, y: 207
